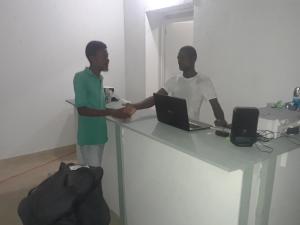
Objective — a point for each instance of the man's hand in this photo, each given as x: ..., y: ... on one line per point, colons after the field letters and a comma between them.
x: 221, y: 123
x: 129, y: 109
x: 119, y: 113
x: 128, y: 105
x: 122, y: 113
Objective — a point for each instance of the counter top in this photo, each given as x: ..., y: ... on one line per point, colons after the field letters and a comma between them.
x: 204, y: 144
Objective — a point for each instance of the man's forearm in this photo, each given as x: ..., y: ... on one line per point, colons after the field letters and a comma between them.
x: 85, y: 111
x: 147, y: 103
x: 218, y: 112
x: 219, y: 115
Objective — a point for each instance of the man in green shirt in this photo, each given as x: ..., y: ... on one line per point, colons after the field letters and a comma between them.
x: 90, y: 103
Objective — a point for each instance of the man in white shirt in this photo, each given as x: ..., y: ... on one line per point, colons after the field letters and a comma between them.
x: 191, y: 86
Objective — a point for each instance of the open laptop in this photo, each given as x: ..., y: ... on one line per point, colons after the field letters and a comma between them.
x: 173, y: 111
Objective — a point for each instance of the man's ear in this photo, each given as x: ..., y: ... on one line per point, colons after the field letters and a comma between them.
x: 91, y: 59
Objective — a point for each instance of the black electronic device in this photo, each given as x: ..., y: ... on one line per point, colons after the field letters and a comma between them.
x: 173, y: 111
x: 244, y: 126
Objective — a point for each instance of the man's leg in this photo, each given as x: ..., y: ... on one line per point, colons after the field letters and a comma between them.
x: 79, y: 155
x: 91, y: 155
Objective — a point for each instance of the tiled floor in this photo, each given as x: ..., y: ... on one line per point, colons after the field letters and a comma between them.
x: 18, y: 175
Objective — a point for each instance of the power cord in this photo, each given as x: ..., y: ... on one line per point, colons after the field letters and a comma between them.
x: 267, y: 148
x: 264, y: 136
x: 291, y: 139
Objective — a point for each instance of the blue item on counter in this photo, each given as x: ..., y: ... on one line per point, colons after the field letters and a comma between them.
x: 296, y: 102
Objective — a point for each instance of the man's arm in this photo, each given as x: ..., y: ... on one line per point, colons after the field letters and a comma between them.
x: 148, y: 102
x: 118, y: 113
x: 218, y: 112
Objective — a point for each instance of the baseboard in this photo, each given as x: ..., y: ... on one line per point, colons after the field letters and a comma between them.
x: 56, y: 151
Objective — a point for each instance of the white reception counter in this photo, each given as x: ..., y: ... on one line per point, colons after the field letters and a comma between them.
x: 156, y: 174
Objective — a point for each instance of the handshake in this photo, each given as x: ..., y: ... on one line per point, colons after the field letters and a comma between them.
x: 123, y: 113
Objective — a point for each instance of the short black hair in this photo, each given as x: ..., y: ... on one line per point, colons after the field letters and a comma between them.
x: 92, y: 47
x: 190, y: 51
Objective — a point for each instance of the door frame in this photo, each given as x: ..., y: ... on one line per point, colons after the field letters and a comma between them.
x: 158, y: 19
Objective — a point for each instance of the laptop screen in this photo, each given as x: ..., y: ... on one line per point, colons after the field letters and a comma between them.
x: 172, y: 111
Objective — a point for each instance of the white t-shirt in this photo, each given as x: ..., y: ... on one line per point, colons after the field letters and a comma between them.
x: 194, y: 90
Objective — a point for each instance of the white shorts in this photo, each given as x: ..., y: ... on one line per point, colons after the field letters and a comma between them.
x: 90, y: 155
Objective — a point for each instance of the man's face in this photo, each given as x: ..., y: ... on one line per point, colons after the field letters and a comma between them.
x: 184, y: 61
x: 100, y: 60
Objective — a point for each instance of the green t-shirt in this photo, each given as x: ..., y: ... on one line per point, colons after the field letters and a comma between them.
x: 89, y: 92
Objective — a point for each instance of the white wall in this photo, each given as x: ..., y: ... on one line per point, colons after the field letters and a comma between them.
x: 134, y: 17
x: 42, y: 46
x: 152, y: 59
x: 250, y: 49
x: 158, y: 4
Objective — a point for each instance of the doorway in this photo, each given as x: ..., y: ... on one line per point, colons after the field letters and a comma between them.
x: 167, y: 30
x: 176, y: 35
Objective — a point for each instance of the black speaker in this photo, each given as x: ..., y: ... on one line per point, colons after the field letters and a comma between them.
x: 244, y: 126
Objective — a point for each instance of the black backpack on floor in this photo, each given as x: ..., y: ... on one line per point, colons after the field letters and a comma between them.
x: 68, y: 197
